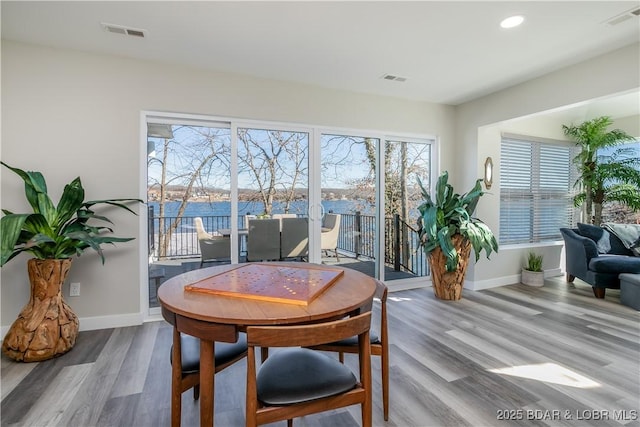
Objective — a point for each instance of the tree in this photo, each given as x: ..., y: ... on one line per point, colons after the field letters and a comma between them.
x: 193, y: 155
x: 606, y: 174
x: 276, y: 161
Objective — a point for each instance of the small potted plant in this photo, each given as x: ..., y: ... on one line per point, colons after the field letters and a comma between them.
x: 532, y: 273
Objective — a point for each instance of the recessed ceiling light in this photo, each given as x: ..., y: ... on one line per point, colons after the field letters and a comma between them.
x: 512, y: 21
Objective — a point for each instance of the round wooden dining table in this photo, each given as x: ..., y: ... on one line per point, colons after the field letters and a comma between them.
x: 220, y: 317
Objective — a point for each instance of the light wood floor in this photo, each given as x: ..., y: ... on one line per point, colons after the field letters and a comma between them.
x: 452, y: 364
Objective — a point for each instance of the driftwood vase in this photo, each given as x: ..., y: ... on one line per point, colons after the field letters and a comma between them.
x: 448, y: 285
x: 46, y: 327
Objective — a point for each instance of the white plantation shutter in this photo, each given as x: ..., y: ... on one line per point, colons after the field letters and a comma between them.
x: 536, y: 189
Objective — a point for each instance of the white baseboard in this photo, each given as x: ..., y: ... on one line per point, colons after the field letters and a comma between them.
x: 101, y: 322
x: 479, y: 285
x: 107, y: 322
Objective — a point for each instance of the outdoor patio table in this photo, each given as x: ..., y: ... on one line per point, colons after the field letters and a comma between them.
x: 213, y: 317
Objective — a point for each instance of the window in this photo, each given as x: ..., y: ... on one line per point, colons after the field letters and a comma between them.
x: 536, y: 189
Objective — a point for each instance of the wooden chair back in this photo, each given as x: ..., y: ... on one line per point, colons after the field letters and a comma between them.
x: 306, y: 336
x: 379, y: 347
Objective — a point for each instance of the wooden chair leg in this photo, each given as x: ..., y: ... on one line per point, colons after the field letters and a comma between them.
x: 196, y: 392
x: 599, y: 292
x: 289, y: 423
x: 570, y: 278
x: 385, y: 387
x: 341, y: 357
x: 176, y: 380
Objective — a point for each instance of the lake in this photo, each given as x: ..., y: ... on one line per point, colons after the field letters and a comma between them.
x: 223, y: 208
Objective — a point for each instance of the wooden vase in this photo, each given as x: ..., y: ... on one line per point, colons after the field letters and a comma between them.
x: 448, y: 285
x: 46, y: 327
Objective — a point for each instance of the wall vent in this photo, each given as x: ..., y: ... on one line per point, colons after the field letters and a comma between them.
x: 125, y: 31
x: 629, y: 14
x: 391, y: 77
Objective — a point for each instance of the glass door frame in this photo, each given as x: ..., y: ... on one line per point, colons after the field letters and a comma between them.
x: 274, y: 126
x: 314, y: 185
x: 434, y: 170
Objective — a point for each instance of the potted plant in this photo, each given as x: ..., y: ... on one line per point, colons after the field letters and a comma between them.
x: 47, y: 327
x: 447, y: 232
x: 532, y: 273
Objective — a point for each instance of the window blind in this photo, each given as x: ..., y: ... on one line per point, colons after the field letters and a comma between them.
x: 536, y: 190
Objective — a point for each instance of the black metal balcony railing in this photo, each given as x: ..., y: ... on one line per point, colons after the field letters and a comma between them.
x: 175, y: 237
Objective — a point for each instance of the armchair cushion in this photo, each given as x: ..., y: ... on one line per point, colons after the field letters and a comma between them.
x: 606, y: 242
x: 615, y: 264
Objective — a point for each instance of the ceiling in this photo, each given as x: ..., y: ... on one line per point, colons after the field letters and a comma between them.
x: 449, y: 52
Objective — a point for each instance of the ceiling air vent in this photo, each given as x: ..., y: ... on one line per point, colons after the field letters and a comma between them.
x: 629, y: 14
x: 119, y: 29
x: 393, y: 78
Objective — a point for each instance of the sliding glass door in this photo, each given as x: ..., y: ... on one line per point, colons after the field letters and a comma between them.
x: 213, y: 177
x: 273, y: 183
x: 406, y: 162
x: 188, y: 177
x: 349, y: 198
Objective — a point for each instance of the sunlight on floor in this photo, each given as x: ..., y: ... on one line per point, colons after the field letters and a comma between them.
x: 550, y: 373
x: 399, y: 299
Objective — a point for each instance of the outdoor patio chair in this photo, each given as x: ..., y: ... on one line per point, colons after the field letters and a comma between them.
x: 295, y: 382
x: 379, y: 346
x: 248, y: 218
x: 212, y: 248
x: 263, y: 240
x: 330, y: 232
x: 282, y: 216
x: 294, y: 239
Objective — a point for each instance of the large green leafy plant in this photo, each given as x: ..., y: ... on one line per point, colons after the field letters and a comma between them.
x: 55, y: 232
x: 451, y: 214
x: 605, y: 174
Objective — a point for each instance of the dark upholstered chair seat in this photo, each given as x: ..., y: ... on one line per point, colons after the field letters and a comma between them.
x: 615, y: 264
x: 379, y: 346
x: 224, y: 352
x: 299, y: 374
x: 353, y: 341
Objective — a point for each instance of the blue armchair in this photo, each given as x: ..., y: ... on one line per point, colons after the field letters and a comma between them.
x: 597, y: 257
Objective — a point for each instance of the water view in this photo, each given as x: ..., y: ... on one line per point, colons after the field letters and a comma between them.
x: 223, y: 208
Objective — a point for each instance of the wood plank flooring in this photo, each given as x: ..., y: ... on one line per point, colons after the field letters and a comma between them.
x: 510, y: 356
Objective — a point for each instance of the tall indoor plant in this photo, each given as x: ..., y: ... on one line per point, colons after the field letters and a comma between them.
x: 448, y: 231
x: 605, y: 174
x: 47, y: 327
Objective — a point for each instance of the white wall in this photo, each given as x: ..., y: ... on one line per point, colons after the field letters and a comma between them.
x: 479, y: 124
x: 70, y: 114
x: 630, y: 125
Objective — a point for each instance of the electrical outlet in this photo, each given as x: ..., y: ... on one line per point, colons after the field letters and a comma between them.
x: 74, y: 289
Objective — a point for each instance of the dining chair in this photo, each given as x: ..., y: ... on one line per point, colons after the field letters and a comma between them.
x: 212, y: 248
x: 187, y: 356
x: 379, y: 346
x: 330, y: 232
x: 294, y: 382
